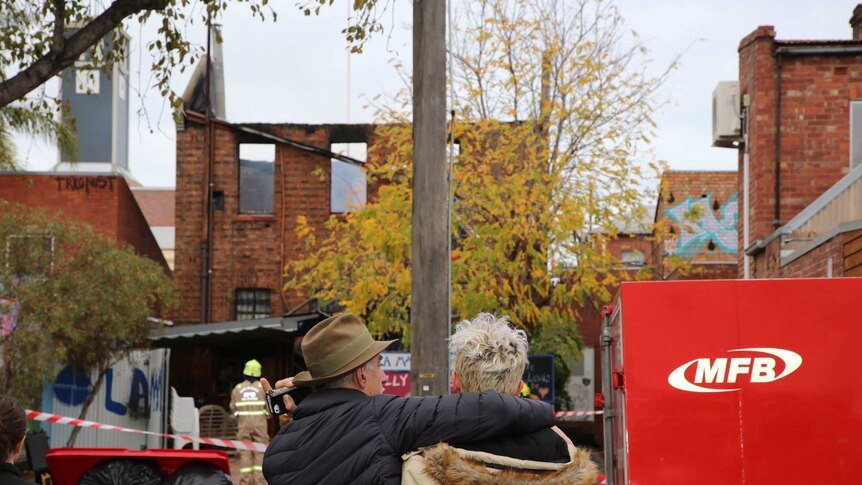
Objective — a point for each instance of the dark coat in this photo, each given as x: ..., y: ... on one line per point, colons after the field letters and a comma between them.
x: 9, y: 475
x: 343, y: 436
x: 542, y: 445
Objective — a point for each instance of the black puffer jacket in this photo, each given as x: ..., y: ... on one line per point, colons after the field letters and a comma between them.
x: 542, y: 445
x: 343, y: 436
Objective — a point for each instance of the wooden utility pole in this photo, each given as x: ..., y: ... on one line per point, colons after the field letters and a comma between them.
x: 429, y: 309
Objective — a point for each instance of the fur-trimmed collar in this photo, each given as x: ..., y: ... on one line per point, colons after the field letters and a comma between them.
x: 446, y: 464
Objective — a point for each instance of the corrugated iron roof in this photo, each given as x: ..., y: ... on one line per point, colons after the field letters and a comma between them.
x: 277, y: 328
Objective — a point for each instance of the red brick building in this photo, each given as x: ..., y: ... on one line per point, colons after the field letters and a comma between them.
x: 264, y: 177
x: 698, y: 211
x: 105, y: 202
x: 800, y: 155
x: 157, y: 205
x: 252, y: 231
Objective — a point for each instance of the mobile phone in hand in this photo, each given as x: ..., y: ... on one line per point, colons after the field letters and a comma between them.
x: 275, y: 400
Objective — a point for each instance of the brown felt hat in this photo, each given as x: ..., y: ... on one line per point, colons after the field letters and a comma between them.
x: 335, y: 347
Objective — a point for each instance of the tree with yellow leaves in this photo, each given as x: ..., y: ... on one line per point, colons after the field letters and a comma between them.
x: 552, y: 113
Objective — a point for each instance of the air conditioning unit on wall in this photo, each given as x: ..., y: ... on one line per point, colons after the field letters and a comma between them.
x: 726, y: 124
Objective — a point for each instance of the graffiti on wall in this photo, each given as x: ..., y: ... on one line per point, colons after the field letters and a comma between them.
x: 702, y: 221
x: 72, y: 386
x: 85, y: 184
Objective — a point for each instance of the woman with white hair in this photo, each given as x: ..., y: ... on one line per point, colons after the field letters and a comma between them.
x: 490, y: 354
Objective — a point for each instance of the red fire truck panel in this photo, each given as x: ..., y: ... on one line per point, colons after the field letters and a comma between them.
x: 736, y: 382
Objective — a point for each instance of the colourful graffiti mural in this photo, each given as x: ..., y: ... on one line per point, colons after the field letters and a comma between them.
x: 698, y: 224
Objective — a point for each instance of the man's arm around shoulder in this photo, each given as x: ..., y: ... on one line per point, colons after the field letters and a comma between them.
x: 414, y: 422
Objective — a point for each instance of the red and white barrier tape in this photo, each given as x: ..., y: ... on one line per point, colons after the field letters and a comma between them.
x: 571, y: 414
x: 54, y: 418
x: 222, y: 443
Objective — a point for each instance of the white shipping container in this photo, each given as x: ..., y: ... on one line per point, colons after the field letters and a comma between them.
x: 132, y: 395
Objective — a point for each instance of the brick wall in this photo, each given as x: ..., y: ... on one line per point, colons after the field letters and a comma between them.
x: 757, y: 79
x: 102, y: 201
x: 845, y: 251
x: 707, y: 240
x: 249, y: 251
x: 636, y: 242
x: 814, y: 264
x: 816, y: 91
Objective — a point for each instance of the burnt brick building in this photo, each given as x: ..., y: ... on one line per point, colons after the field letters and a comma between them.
x: 229, y: 259
x: 256, y: 205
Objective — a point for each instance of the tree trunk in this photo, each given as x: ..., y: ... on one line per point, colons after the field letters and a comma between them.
x: 86, y: 406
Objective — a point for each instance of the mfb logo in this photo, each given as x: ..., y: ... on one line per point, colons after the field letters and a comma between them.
x: 759, y: 370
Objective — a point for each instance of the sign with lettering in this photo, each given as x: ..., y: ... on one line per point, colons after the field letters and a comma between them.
x: 397, y: 368
x: 397, y: 383
x: 539, y: 376
x: 395, y: 361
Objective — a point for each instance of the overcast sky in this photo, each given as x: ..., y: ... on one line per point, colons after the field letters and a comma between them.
x: 296, y: 70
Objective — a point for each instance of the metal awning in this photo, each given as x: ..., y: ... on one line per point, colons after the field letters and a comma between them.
x: 282, y: 329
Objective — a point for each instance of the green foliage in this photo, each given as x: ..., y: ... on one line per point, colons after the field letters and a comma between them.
x: 35, y: 123
x: 84, y: 300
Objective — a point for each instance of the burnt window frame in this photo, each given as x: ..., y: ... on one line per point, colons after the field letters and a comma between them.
x: 332, y: 164
x: 239, y: 179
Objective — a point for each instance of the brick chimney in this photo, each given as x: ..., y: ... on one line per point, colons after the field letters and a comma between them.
x: 856, y: 22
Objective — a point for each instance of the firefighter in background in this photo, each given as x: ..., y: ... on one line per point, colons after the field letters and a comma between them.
x: 248, y: 403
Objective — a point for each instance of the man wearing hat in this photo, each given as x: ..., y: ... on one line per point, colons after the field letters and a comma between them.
x: 347, y: 431
x: 248, y: 403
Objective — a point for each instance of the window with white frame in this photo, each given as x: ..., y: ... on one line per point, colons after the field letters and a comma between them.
x: 633, y: 258
x: 251, y: 303
x: 348, y: 186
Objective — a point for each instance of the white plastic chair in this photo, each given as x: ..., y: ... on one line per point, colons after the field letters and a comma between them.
x: 185, y: 419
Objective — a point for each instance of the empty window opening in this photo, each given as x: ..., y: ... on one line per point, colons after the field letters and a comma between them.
x: 348, y: 187
x: 256, y: 178
x: 455, y: 150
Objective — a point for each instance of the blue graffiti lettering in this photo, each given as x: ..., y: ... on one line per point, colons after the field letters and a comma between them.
x: 139, y: 396
x: 112, y: 406
x: 72, y: 386
x: 698, y: 225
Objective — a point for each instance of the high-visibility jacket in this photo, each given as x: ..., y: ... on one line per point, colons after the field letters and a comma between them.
x: 247, y: 400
